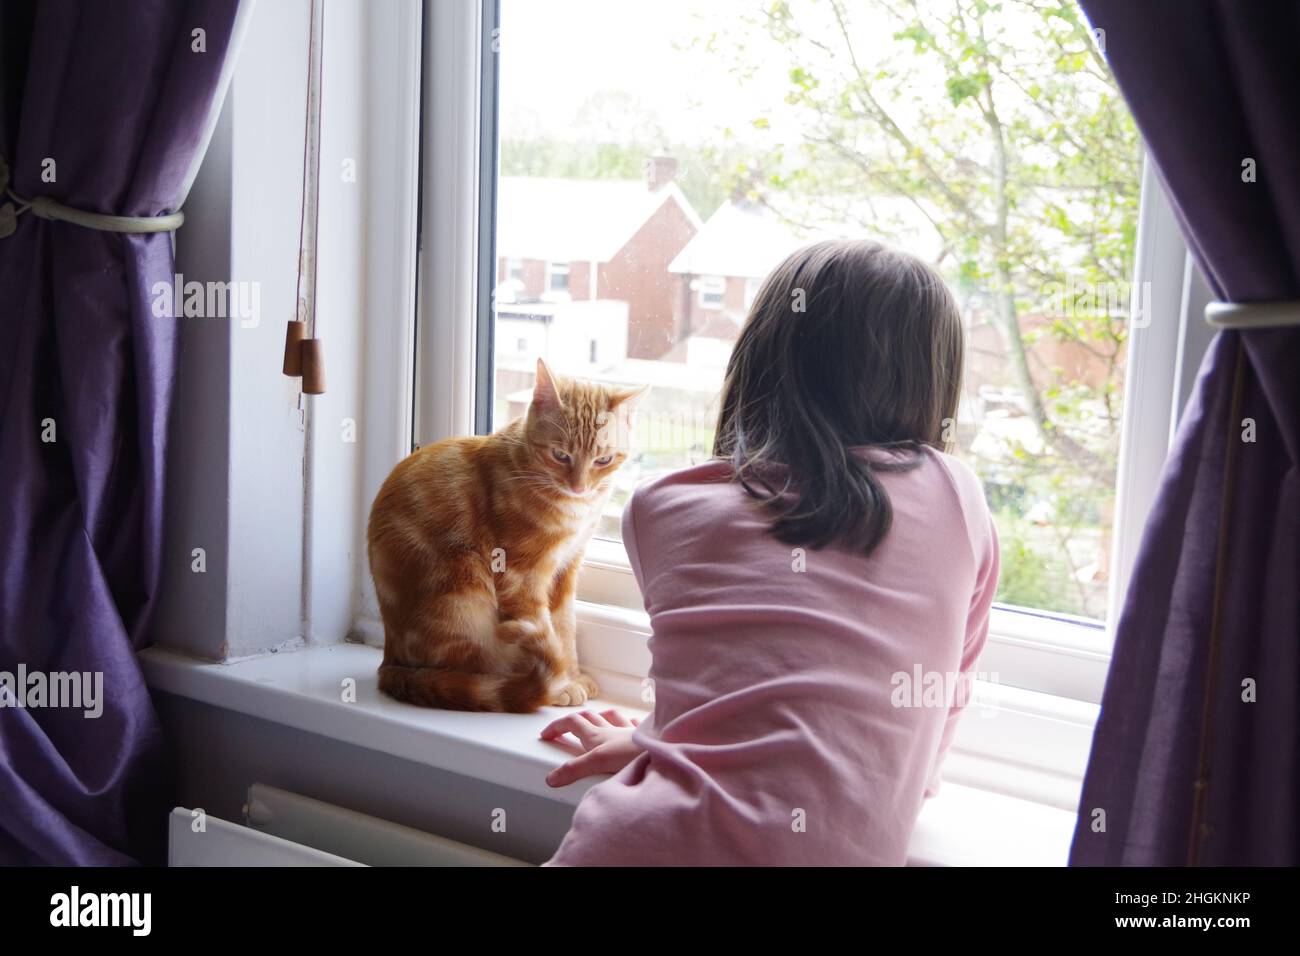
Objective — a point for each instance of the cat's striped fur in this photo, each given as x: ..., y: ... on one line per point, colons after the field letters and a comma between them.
x: 475, y: 545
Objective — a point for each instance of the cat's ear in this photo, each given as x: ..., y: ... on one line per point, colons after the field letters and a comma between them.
x: 623, y: 403
x: 627, y: 399
x: 546, y: 394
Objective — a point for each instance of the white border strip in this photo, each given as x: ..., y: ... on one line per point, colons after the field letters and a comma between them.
x: 449, y: 258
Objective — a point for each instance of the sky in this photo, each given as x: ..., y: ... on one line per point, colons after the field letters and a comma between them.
x: 557, y: 53
x: 554, y: 54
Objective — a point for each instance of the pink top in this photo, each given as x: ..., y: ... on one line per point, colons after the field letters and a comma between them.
x: 788, y: 726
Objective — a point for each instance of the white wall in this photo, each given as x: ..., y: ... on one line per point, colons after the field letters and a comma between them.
x: 337, y: 430
x: 565, y: 340
x: 242, y: 432
x: 266, y: 435
x: 191, y: 611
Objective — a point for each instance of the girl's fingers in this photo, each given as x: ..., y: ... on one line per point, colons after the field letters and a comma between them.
x: 615, y: 718
x: 636, y: 721
x: 575, y: 724
x: 597, y: 719
x: 575, y: 769
x: 592, y: 762
x: 569, y: 744
x: 552, y: 730
x: 556, y: 732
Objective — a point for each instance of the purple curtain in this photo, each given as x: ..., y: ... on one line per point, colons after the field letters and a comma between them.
x: 1196, y: 758
x: 118, y: 98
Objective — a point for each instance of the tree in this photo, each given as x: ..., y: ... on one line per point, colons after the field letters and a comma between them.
x: 1026, y: 170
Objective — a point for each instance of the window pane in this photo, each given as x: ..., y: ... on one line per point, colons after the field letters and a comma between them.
x: 653, y: 169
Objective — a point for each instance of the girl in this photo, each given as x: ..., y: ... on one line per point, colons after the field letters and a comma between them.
x: 800, y: 586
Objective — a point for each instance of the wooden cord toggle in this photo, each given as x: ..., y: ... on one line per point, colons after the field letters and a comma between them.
x: 295, y: 332
x: 313, y: 367
x: 303, y: 351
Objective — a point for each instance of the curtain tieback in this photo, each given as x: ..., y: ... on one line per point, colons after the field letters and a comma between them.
x: 1252, y: 315
x: 52, y: 209
x: 46, y: 208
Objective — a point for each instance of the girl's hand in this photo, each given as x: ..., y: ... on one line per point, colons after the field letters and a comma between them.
x: 605, y: 744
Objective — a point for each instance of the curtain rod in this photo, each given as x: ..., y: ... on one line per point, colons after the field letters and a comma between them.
x: 1252, y: 315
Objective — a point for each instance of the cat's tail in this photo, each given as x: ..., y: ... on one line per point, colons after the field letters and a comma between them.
x: 520, y: 693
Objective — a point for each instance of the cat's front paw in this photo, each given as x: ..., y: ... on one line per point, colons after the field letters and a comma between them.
x: 576, y: 693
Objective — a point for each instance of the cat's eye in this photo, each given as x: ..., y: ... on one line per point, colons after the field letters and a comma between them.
x: 560, y: 454
x: 603, y: 460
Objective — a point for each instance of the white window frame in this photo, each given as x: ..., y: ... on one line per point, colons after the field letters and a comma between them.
x: 1029, y: 648
x: 554, y: 269
x: 417, y: 371
x: 1051, y: 668
x: 712, y: 286
x: 263, y: 469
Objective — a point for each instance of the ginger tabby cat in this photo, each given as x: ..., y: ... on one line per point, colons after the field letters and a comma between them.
x: 475, y: 545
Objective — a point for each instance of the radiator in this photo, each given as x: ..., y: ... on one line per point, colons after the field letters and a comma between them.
x: 288, y: 829
x: 203, y: 840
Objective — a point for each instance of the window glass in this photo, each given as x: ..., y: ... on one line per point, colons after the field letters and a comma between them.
x: 654, y: 168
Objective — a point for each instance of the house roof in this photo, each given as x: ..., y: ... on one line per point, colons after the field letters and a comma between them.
x: 745, y: 240
x: 748, y: 239
x: 571, y: 220
x: 720, y: 325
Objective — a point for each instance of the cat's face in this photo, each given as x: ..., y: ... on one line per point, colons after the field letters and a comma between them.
x: 578, y: 432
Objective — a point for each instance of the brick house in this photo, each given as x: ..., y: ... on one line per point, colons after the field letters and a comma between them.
x: 718, y: 273
x: 562, y: 240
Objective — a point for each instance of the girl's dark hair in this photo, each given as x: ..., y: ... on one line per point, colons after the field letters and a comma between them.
x: 848, y: 344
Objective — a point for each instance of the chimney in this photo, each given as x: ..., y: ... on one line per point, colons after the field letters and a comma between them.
x: 660, y: 171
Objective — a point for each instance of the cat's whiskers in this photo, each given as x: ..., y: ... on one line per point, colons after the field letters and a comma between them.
x: 538, y: 483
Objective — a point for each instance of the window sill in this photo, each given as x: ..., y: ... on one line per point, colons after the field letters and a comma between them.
x: 1059, y: 657
x: 1024, y: 744
x: 304, y: 689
